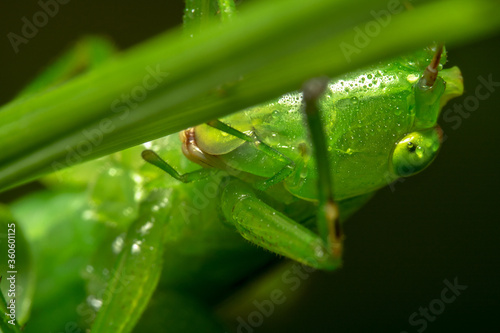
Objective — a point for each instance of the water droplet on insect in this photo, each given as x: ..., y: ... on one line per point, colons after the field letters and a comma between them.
x: 412, y: 78
x: 145, y: 228
x: 139, y: 194
x: 117, y: 244
x: 94, y: 302
x: 303, y: 174
x: 318, y: 251
x: 136, y: 247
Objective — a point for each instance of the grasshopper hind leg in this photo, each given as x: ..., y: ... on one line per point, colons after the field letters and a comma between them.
x: 267, y: 227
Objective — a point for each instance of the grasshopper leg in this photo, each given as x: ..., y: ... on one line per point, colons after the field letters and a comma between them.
x: 263, y: 147
x: 153, y: 158
x: 266, y: 229
x: 261, y: 224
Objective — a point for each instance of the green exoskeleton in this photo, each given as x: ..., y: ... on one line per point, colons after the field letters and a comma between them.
x: 379, y: 124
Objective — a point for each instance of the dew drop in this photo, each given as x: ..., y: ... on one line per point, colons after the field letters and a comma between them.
x: 117, y: 244
x: 136, y: 247
x: 145, y: 228
x: 94, y: 302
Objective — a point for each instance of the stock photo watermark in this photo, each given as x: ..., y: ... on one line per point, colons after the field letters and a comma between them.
x: 454, y: 115
x: 11, y: 273
x: 427, y: 314
x: 32, y: 25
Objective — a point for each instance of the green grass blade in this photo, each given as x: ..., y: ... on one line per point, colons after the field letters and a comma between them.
x: 137, y: 270
x: 269, y: 49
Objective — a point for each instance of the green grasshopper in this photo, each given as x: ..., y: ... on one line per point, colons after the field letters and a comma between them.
x: 261, y: 177
x: 268, y: 177
x: 264, y: 179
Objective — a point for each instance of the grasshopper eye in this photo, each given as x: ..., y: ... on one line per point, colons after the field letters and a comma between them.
x: 416, y: 151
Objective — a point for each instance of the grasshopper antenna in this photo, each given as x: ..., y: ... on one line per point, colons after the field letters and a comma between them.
x: 431, y: 71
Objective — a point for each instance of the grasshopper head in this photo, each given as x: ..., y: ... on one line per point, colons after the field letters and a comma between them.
x: 416, y: 150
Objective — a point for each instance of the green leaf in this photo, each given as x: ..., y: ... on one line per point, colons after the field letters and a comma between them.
x: 137, y: 270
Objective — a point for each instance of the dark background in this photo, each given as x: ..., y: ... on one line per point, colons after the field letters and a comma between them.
x: 441, y: 224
